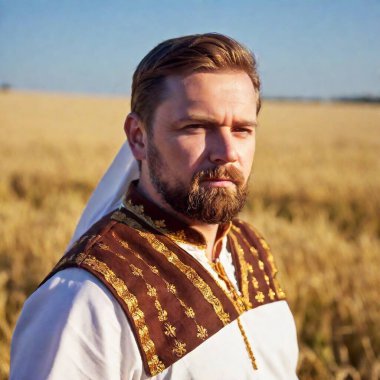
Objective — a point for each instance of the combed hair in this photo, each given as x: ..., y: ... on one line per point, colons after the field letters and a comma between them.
x: 207, y: 52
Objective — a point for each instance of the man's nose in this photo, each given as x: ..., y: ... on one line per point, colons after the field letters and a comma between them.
x: 222, y: 146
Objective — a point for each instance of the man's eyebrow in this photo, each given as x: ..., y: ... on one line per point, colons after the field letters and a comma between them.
x: 212, y: 121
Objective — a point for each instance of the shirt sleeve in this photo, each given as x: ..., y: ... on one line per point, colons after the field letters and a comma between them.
x: 73, y: 328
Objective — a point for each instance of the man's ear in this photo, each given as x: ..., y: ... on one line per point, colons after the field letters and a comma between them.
x: 136, y: 135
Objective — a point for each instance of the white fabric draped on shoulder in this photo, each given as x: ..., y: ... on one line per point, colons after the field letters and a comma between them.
x: 109, y: 193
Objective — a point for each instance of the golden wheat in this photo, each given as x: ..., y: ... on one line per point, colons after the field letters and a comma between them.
x: 315, y: 195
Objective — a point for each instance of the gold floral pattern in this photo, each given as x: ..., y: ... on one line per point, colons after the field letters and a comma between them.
x: 202, y: 332
x: 136, y: 271
x: 191, y: 275
x: 154, y: 363
x: 179, y: 348
x: 170, y: 330
x: 162, y: 313
x: 280, y: 293
x: 152, y: 291
x: 259, y: 297
x: 171, y: 288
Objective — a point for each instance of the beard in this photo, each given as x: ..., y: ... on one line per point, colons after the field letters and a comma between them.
x: 210, y: 205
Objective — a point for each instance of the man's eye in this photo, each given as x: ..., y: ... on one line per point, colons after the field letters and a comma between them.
x: 243, y: 131
x: 195, y: 126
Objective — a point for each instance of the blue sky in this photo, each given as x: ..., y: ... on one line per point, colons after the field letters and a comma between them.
x: 321, y: 48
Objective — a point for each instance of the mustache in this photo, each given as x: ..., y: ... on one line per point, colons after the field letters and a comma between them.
x: 220, y: 172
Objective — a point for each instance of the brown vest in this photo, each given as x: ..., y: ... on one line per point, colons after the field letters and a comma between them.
x: 171, y: 301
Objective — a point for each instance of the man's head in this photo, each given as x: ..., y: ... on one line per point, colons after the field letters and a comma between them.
x: 195, y: 101
x: 210, y: 52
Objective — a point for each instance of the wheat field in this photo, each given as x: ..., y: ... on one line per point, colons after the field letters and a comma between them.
x: 315, y: 196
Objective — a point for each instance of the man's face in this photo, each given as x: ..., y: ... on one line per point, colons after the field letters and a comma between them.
x: 201, y: 148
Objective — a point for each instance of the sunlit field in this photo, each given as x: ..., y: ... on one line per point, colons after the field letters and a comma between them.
x: 315, y: 196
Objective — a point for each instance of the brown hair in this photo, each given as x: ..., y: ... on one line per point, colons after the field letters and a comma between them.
x: 185, y: 55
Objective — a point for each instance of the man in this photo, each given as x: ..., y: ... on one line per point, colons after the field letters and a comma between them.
x: 169, y: 285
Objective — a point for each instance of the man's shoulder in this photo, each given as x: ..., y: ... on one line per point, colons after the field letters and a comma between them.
x: 106, y: 235
x: 111, y: 230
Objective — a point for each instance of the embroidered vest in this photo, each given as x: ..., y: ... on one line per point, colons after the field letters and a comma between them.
x: 171, y: 301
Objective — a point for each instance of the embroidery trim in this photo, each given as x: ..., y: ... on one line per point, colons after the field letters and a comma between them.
x: 280, y: 292
x: 273, y: 269
x: 154, y: 363
x: 191, y: 275
x: 159, y: 225
x: 244, y: 271
x: 202, y: 332
x: 247, y: 345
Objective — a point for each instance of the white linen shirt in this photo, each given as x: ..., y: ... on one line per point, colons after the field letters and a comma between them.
x: 73, y: 328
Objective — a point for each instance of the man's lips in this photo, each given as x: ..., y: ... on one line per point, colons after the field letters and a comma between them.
x: 218, y: 181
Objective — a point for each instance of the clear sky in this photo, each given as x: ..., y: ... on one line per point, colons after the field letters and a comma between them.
x: 320, y: 48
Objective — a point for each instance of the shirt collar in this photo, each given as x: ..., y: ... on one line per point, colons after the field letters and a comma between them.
x: 159, y: 219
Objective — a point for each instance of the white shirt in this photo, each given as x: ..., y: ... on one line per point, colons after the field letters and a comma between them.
x: 73, y: 328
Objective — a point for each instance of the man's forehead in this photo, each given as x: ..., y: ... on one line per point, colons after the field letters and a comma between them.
x: 208, y: 80
x: 200, y: 90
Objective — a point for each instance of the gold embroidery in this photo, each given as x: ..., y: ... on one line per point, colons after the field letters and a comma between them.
x: 247, y: 345
x: 202, y: 332
x: 119, y: 216
x: 244, y: 270
x: 138, y: 210
x: 104, y: 247
x: 152, y: 291
x: 273, y: 270
x: 253, y: 250
x: 190, y: 273
x: 170, y: 330
x: 271, y: 294
x: 260, y: 297
x: 154, y: 363
x: 189, y: 312
x: 171, y: 288
x: 280, y: 293
x: 162, y: 313
x: 136, y: 271
x: 159, y: 225
x: 266, y: 247
x: 153, y: 268
x: 179, y: 348
x: 123, y: 243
